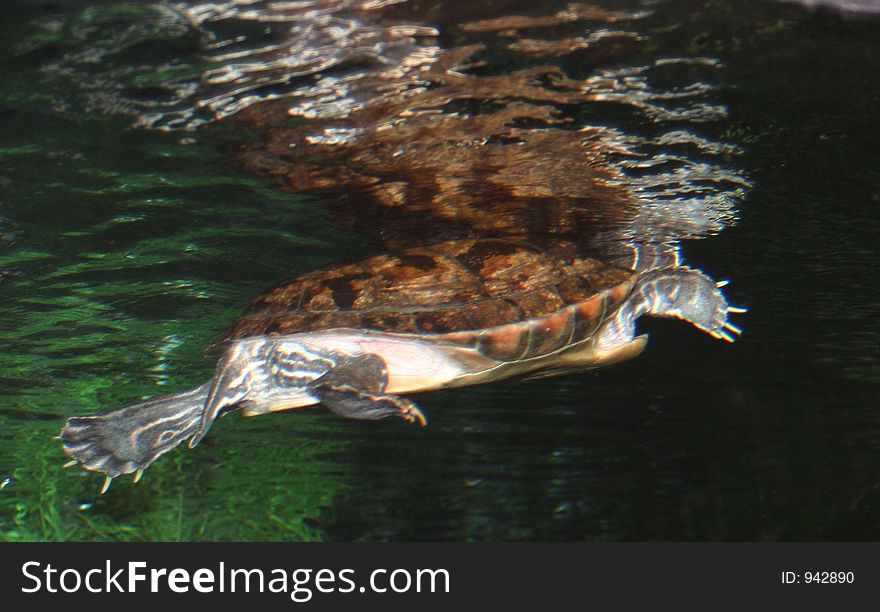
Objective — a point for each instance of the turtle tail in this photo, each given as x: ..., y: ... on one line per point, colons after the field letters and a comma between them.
x: 129, y: 440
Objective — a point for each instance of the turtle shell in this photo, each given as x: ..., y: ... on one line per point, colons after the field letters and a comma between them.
x: 509, y: 299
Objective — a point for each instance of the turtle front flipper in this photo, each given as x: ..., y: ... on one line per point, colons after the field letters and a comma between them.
x: 129, y: 440
x: 354, y: 389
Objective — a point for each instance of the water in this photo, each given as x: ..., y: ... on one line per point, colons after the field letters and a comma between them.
x: 125, y: 251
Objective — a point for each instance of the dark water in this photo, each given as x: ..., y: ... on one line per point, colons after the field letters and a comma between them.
x: 126, y: 251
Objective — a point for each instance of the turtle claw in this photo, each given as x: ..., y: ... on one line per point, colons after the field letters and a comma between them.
x: 723, y: 335
x: 412, y: 414
x: 733, y: 328
x: 70, y: 464
x: 729, y: 331
x: 107, y: 481
x: 138, y: 475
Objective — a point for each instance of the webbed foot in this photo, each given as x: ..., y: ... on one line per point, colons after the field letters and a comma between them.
x: 688, y: 294
x: 129, y: 440
x: 354, y: 389
x: 679, y: 292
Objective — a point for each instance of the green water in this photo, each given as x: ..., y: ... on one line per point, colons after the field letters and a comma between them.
x: 132, y: 253
x: 126, y: 252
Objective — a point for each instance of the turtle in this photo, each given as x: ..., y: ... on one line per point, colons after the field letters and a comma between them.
x: 358, y: 337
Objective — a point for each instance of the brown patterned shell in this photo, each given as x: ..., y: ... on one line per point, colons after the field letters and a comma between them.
x: 508, y: 298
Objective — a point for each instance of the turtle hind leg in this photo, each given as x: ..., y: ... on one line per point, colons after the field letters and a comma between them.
x: 129, y: 440
x: 354, y: 388
x: 681, y: 293
x: 688, y: 294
